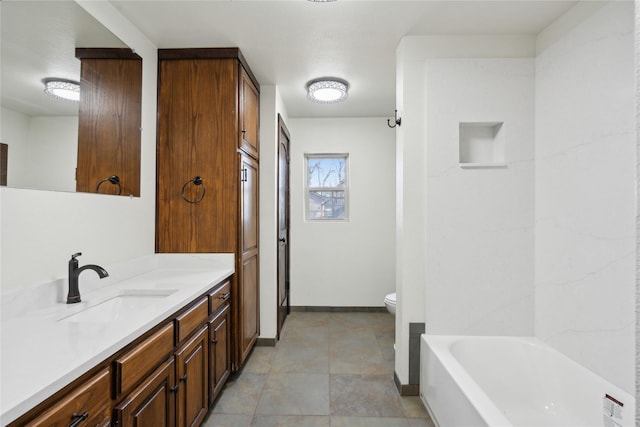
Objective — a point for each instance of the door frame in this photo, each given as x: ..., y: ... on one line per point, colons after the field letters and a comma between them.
x: 283, y: 131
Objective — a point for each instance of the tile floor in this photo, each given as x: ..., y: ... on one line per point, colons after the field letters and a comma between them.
x: 328, y: 369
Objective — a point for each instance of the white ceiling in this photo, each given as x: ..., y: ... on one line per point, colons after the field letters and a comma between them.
x: 286, y: 43
x: 38, y: 40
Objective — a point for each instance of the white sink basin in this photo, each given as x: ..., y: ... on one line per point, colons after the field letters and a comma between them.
x: 116, y: 307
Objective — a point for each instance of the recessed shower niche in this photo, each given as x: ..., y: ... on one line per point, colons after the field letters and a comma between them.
x: 481, y: 144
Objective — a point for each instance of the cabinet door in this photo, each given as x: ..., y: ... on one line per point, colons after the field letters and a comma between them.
x: 192, y: 373
x: 87, y: 405
x: 109, y: 125
x: 152, y: 404
x: 249, y: 201
x: 247, y: 295
x: 219, y: 352
x: 197, y: 136
x: 249, y: 114
x: 249, y: 315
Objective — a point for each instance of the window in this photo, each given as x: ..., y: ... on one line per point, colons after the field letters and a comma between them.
x: 326, y: 189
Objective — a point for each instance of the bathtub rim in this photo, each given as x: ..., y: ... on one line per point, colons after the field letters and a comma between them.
x: 439, y: 345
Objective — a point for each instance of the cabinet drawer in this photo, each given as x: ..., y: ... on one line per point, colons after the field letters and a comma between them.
x: 137, y: 363
x: 188, y: 321
x: 219, y: 297
x: 92, y: 398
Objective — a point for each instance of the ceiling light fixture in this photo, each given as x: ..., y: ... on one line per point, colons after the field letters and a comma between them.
x: 327, y: 90
x: 67, y: 90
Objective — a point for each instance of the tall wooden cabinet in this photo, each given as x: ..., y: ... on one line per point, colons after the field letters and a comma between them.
x: 207, y: 170
x: 109, y: 120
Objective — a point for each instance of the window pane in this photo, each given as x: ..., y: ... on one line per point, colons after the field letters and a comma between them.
x: 326, y: 204
x: 326, y: 172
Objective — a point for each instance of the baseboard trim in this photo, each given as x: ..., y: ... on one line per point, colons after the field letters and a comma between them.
x: 406, y: 389
x: 266, y: 342
x: 331, y: 309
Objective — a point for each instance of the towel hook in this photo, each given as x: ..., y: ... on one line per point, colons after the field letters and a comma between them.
x: 196, y: 180
x: 114, y: 179
x: 397, y: 120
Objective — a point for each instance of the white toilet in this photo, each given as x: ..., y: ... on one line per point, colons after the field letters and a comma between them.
x: 390, y: 302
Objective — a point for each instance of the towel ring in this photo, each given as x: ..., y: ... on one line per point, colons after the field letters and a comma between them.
x: 196, y: 180
x: 114, y: 179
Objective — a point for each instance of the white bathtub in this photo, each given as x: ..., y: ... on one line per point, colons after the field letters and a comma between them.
x: 512, y: 381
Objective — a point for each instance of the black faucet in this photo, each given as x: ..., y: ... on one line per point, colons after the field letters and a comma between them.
x: 74, y: 272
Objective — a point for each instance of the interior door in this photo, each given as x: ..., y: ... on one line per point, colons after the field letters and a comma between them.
x: 283, y: 224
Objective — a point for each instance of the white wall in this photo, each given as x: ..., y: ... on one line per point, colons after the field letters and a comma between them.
x: 270, y: 106
x: 479, y: 221
x: 345, y: 263
x: 14, y: 132
x: 39, y: 230
x: 427, y: 166
x: 637, y: 56
x: 44, y: 154
x: 585, y: 189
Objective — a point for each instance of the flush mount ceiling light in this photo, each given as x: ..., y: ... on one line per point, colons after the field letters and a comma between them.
x: 67, y: 90
x: 327, y: 90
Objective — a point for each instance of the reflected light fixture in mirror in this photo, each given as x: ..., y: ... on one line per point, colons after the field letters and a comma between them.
x: 66, y: 90
x: 39, y: 41
x: 327, y: 90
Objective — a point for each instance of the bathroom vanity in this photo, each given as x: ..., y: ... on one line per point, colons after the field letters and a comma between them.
x: 149, y: 345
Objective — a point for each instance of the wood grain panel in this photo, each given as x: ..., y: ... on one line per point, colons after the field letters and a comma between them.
x: 109, y: 123
x: 250, y: 315
x: 152, y: 404
x: 219, y: 352
x: 93, y: 398
x: 220, y: 297
x: 192, y: 374
x: 249, y: 115
x: 188, y: 321
x: 134, y: 365
x: 196, y: 128
x: 4, y: 160
x: 250, y: 200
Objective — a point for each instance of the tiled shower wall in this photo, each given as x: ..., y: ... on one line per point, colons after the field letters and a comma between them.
x: 585, y: 178
x: 479, y: 243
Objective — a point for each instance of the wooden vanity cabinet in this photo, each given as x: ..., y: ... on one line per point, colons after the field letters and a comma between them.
x: 176, y: 393
x: 131, y: 367
x: 219, y: 339
x: 152, y: 403
x: 208, y: 127
x: 164, y: 378
x: 192, y: 372
x: 219, y: 351
x: 89, y: 404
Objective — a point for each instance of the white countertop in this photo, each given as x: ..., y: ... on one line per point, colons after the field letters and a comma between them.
x: 41, y: 354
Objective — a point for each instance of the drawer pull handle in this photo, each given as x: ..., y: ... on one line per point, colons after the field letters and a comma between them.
x: 174, y: 388
x: 78, y: 419
x: 214, y: 341
x: 224, y: 296
x: 183, y: 378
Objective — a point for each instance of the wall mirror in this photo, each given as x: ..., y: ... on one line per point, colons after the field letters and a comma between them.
x: 92, y: 145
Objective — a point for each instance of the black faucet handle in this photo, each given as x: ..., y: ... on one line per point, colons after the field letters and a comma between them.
x: 76, y: 255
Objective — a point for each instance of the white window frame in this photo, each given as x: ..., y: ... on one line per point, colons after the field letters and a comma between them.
x: 308, y: 189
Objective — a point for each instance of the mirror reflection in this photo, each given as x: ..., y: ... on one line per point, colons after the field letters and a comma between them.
x: 49, y: 143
